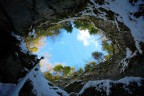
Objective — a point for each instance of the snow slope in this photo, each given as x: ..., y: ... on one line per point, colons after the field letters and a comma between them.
x: 41, y: 85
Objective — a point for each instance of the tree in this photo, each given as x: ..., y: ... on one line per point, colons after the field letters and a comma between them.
x: 66, y: 71
x: 33, y: 49
x: 107, y: 57
x: 90, y: 65
x: 38, y: 40
x: 80, y: 71
x: 68, y: 27
x: 108, y: 47
x: 50, y: 77
x: 58, y: 68
x: 97, y: 56
x: 86, y: 24
x: 72, y: 69
x: 33, y: 44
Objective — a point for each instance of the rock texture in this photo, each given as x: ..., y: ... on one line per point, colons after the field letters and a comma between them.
x: 21, y: 16
x: 117, y: 89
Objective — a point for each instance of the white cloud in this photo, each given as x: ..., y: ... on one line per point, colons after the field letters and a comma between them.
x: 45, y: 65
x: 96, y: 44
x: 86, y: 38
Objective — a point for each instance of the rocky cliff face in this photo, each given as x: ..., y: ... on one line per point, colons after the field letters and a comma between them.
x: 20, y: 16
x: 123, y: 26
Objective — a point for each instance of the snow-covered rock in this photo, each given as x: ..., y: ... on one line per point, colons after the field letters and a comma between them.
x: 123, y: 87
x: 39, y: 86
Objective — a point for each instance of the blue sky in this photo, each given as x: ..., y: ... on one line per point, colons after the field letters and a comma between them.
x: 70, y: 49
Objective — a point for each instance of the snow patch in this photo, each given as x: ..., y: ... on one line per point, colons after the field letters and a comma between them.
x: 117, y: 25
x: 32, y: 33
x: 128, y: 80
x: 124, y: 63
x: 138, y: 46
x: 106, y: 84
x: 21, y: 83
x: 5, y: 88
x: 22, y: 44
x: 128, y: 53
x: 73, y: 82
x: 41, y: 85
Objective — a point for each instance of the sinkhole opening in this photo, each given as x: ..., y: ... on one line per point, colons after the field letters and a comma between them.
x: 70, y: 48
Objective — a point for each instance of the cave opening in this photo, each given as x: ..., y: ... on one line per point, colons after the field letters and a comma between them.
x: 114, y: 26
x: 70, y: 48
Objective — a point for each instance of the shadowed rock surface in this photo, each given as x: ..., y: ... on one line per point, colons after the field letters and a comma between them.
x: 19, y: 17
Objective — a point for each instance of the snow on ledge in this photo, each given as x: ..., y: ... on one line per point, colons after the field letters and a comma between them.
x: 124, y: 63
x: 22, y: 44
x: 105, y: 84
x: 32, y: 33
x: 41, y: 86
x: 75, y: 81
x: 5, y: 88
x: 136, y: 25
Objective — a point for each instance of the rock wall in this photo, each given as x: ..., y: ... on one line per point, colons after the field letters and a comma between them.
x: 18, y: 18
x: 21, y: 16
